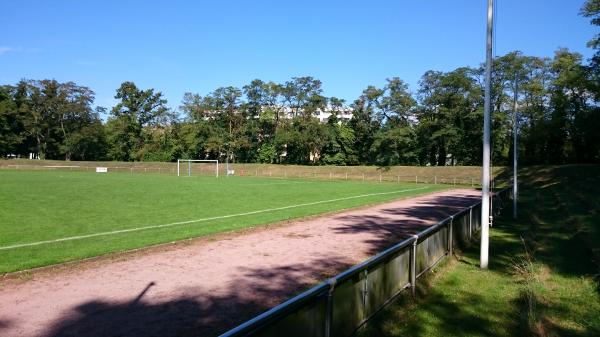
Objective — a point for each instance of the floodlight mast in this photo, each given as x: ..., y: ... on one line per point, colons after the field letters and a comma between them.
x: 485, y: 179
x: 515, y: 147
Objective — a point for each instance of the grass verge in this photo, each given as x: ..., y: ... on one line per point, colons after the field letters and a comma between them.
x: 543, y: 276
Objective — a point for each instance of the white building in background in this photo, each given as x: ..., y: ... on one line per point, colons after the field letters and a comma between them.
x: 344, y: 114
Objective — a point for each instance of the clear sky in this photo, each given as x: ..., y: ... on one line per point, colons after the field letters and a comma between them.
x: 178, y: 46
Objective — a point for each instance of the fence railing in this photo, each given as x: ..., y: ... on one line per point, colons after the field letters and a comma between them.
x: 370, y: 177
x: 123, y: 169
x: 342, y: 304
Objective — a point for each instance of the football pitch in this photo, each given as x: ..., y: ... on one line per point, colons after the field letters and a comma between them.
x: 49, y: 217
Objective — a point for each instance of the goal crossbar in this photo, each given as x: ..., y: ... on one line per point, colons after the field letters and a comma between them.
x: 189, y: 165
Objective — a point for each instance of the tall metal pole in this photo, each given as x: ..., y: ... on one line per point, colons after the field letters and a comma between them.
x: 515, y: 154
x: 485, y: 179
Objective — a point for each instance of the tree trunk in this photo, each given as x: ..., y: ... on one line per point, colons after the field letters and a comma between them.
x: 442, y: 155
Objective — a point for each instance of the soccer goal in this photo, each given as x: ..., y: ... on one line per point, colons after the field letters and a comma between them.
x: 189, y: 167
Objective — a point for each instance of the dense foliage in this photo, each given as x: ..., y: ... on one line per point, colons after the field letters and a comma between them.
x: 439, y: 124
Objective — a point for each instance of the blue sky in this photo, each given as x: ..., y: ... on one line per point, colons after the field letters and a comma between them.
x: 178, y: 46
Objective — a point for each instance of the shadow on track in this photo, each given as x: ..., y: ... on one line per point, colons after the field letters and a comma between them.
x: 391, y: 230
x: 199, y: 312
x: 196, y: 313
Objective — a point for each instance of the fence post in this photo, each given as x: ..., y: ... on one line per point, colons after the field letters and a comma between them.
x: 413, y: 266
x: 398, y: 178
x: 329, y: 309
x: 472, y: 182
x: 470, y: 223
x: 454, y: 182
x: 450, y: 237
x: 379, y: 177
x: 435, y: 180
x: 416, y: 180
x: 365, y: 292
x: 363, y: 177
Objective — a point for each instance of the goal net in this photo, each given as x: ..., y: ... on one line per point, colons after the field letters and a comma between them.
x: 197, y: 167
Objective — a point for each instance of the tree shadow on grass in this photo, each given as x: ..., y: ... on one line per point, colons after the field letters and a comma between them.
x: 463, y: 314
x: 558, y: 217
x: 557, y: 226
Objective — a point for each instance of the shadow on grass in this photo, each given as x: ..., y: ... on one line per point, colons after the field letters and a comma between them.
x: 434, y: 313
x: 558, y: 221
x: 561, y: 210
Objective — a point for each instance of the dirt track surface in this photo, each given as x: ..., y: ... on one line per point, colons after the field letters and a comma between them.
x: 207, y: 287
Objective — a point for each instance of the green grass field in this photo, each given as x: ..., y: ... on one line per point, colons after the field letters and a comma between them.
x: 48, y: 217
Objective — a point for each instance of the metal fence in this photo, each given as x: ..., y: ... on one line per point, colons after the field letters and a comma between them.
x: 122, y: 169
x: 370, y: 177
x: 309, y: 173
x: 342, y: 304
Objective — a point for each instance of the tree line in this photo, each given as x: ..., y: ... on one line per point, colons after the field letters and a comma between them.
x: 438, y: 124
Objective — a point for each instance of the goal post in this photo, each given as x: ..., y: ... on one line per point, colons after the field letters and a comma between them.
x: 184, y: 166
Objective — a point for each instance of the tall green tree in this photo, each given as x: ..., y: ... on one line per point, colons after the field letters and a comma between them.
x: 365, y: 123
x: 591, y: 9
x: 449, y: 117
x: 395, y: 142
x: 12, y: 130
x: 137, y: 110
x: 303, y: 95
x: 571, y: 113
x: 55, y: 120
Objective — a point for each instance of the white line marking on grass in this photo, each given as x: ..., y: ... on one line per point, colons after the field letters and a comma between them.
x: 285, y: 182
x: 136, y: 229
